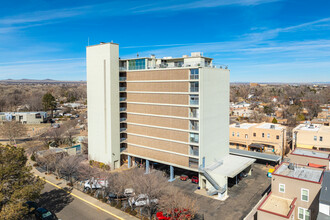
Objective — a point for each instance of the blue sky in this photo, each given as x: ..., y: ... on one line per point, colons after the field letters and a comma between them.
x: 260, y: 40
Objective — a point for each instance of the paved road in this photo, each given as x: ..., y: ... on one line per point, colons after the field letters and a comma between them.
x: 66, y: 206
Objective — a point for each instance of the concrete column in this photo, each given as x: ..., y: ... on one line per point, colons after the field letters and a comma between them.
x: 171, y: 174
x: 147, y: 167
x: 129, y: 161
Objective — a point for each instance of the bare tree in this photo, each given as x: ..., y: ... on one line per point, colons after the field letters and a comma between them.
x: 69, y: 166
x: 178, y: 205
x: 13, y: 130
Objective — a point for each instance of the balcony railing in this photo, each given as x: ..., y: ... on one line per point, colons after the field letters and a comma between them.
x: 122, y: 139
x: 194, y: 102
x: 194, y: 89
x: 123, y: 129
x: 122, y: 68
x: 198, y: 64
x: 122, y: 109
x: 122, y: 119
x: 194, y: 127
x: 122, y: 88
x: 122, y: 99
x: 193, y: 115
x: 194, y: 76
x: 194, y: 140
x: 194, y: 152
x: 122, y: 78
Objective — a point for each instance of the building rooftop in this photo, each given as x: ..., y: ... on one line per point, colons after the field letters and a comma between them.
x: 243, y: 126
x: 231, y: 165
x: 300, y: 172
x: 270, y: 126
x: 325, y: 190
x: 311, y: 153
x: 278, y: 205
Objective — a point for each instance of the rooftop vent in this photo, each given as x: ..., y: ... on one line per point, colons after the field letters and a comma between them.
x: 237, y: 125
x: 196, y: 54
x: 153, y: 56
x: 311, y: 126
x: 185, y: 56
x: 291, y: 166
x: 272, y: 126
x: 102, y: 42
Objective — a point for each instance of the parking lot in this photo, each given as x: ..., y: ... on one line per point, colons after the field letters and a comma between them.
x: 242, y: 197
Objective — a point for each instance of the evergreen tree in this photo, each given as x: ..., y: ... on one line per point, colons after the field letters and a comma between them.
x: 274, y: 121
x: 17, y: 184
x: 49, y: 103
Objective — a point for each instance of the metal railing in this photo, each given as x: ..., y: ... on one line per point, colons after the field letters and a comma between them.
x: 194, y: 76
x: 169, y: 65
x: 122, y: 99
x: 122, y: 139
x: 122, y: 119
x: 122, y: 109
x: 194, y: 140
x: 193, y: 115
x: 194, y: 127
x: 194, y: 89
x: 122, y: 78
x: 194, y: 102
x: 122, y: 68
x: 123, y: 129
x: 122, y: 88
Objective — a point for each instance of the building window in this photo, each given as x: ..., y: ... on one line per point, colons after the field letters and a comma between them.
x: 137, y: 64
x: 246, y: 136
x: 194, y: 86
x: 277, y: 137
x: 237, y: 134
x: 282, y: 188
x: 233, y: 134
x: 194, y: 138
x: 194, y: 150
x: 304, y: 195
x: 268, y: 135
x: 254, y: 134
x: 263, y: 134
x: 321, y: 138
x: 194, y: 74
x: 315, y: 138
x: 194, y: 99
x: 303, y: 213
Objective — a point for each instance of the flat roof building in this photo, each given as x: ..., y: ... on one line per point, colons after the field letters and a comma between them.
x: 311, y: 136
x: 173, y: 111
x: 23, y: 117
x: 294, y: 193
x: 309, y: 157
x: 263, y: 137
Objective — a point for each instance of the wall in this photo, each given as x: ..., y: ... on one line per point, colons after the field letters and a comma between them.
x: 103, y: 103
x: 305, y: 160
x: 214, y: 114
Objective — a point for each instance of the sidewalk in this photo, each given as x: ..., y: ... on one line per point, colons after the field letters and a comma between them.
x: 84, y: 197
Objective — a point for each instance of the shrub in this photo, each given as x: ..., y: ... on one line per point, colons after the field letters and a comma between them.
x: 101, y: 165
x: 33, y: 157
x: 91, y: 162
x: 104, y: 200
x: 128, y: 210
x: 133, y: 212
x: 112, y: 203
x: 119, y: 206
x: 107, y: 167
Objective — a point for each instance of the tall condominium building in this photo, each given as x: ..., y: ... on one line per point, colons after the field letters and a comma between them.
x: 173, y: 111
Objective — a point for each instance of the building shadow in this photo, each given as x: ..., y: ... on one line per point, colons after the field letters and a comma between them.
x: 56, y: 199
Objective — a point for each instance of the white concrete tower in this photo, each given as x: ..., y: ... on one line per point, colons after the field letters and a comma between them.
x: 103, y: 103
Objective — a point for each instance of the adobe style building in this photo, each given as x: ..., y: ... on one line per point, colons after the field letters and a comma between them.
x: 308, y: 157
x: 172, y: 111
x: 294, y: 194
x: 263, y: 137
x: 311, y: 136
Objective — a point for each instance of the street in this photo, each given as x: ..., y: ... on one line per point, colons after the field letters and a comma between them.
x: 65, y: 206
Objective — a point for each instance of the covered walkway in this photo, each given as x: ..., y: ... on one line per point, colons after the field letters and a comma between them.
x: 255, y: 155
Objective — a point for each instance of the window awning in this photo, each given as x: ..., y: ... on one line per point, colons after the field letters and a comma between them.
x: 316, y: 165
x: 256, y: 145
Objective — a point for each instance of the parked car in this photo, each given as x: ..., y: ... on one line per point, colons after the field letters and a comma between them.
x: 184, y: 177
x: 95, y: 184
x: 142, y: 200
x: 44, y: 214
x: 32, y: 206
x: 194, y: 179
x: 160, y: 216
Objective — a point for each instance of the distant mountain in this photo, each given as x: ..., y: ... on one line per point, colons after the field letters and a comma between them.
x: 17, y: 81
